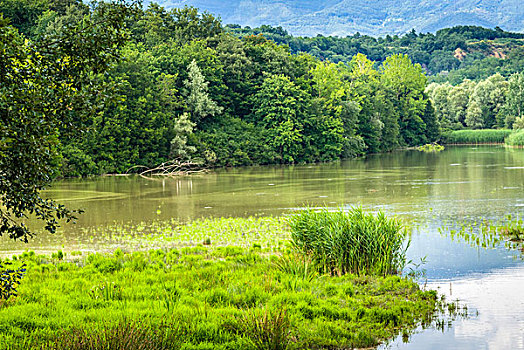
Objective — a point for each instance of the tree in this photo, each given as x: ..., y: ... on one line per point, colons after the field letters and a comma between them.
x: 486, y: 102
x: 407, y: 82
x: 514, y: 106
x: 47, y: 88
x: 199, y: 103
x: 280, y: 107
x: 179, y: 147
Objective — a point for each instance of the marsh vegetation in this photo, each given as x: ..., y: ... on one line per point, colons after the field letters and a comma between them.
x: 223, y: 296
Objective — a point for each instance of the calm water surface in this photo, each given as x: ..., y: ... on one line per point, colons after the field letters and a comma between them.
x: 432, y: 190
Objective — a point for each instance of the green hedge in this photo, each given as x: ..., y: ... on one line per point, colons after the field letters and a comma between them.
x: 475, y: 136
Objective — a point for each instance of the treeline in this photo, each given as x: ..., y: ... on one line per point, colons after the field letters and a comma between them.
x: 495, y: 102
x: 451, y: 54
x: 188, y: 90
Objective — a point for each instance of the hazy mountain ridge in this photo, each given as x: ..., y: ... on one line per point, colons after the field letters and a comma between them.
x: 374, y: 17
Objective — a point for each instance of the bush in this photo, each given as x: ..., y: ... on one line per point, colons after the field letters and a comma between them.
x: 475, y: 136
x: 519, y: 123
x: 350, y: 242
x: 516, y: 138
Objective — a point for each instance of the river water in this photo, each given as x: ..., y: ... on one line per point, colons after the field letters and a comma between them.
x: 460, y: 184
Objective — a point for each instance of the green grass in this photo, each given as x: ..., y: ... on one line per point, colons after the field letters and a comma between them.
x: 203, y: 298
x: 516, y: 139
x: 486, y: 136
x: 350, y: 241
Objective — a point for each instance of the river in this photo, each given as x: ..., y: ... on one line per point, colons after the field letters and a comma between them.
x: 429, y: 190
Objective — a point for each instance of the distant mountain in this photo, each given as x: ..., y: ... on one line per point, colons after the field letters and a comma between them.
x: 373, y: 17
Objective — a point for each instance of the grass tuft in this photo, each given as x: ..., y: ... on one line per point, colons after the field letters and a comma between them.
x: 267, y: 330
x: 351, y: 241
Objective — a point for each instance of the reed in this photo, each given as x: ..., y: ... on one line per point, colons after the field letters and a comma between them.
x: 351, y: 241
x: 474, y: 137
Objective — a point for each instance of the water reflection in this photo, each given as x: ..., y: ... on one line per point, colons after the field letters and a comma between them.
x: 497, y: 296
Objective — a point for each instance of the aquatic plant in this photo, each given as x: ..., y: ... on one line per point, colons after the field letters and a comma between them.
x: 431, y: 148
x: 512, y: 229
x: 487, y: 233
x: 350, y: 241
x: 267, y: 233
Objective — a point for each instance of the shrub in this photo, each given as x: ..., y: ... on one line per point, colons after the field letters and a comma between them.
x: 519, y: 123
x: 516, y: 138
x: 350, y: 242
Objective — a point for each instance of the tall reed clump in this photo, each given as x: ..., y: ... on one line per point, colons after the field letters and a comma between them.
x: 516, y: 139
x: 474, y: 137
x: 351, y: 241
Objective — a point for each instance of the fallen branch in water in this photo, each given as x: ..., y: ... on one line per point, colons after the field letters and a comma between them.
x: 172, y: 168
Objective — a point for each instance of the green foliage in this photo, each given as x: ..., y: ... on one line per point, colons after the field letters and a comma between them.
x: 183, y: 129
x: 280, y: 107
x: 202, y: 297
x: 47, y: 88
x: 407, y: 83
x: 437, y: 52
x: 516, y: 138
x: 519, y: 123
x: 199, y: 103
x: 512, y: 230
x: 185, y: 89
x: 475, y: 136
x: 350, y: 242
x: 10, y: 280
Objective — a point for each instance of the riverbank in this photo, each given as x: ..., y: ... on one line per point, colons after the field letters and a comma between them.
x: 205, y: 298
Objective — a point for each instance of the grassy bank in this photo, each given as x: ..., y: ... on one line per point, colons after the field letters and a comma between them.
x: 261, y: 295
x: 205, y: 298
x: 475, y: 137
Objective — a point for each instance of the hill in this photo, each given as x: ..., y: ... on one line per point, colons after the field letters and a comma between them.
x: 372, y: 17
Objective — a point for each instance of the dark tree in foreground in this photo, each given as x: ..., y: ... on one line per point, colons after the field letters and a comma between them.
x: 47, y: 89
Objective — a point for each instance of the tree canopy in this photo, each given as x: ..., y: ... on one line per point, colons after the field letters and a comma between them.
x: 47, y: 88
